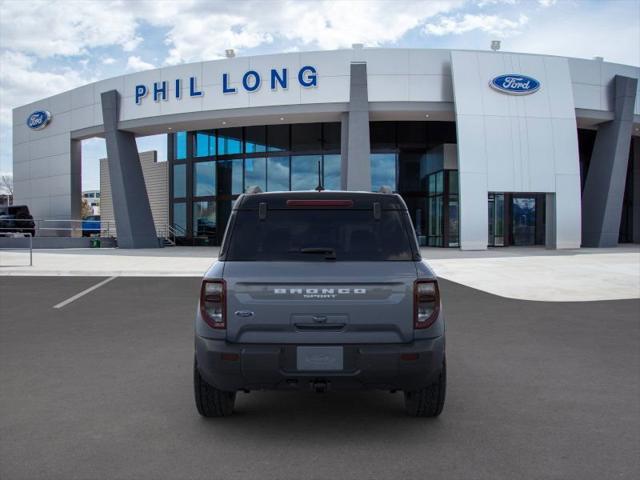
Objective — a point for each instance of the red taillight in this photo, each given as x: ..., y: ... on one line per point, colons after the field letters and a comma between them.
x: 213, y: 303
x: 426, y: 303
x: 319, y: 203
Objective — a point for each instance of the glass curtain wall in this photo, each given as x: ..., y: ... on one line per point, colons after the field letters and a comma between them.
x: 405, y: 158
x: 209, y: 169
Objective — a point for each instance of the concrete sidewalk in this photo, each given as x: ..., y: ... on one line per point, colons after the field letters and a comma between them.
x: 522, y: 273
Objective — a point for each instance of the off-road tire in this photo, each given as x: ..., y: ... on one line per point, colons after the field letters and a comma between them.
x: 210, y: 401
x: 429, y: 401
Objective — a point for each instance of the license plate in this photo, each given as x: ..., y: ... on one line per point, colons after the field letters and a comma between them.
x: 319, y: 358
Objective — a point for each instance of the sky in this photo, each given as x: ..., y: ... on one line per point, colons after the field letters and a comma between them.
x: 47, y: 47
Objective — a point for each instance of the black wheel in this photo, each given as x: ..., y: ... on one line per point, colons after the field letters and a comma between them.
x: 429, y: 401
x: 210, y: 401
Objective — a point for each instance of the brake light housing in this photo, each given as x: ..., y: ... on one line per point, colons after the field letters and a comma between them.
x: 213, y: 304
x: 426, y: 303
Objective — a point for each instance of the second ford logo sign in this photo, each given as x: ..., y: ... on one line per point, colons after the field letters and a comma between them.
x: 38, y: 120
x: 515, y: 84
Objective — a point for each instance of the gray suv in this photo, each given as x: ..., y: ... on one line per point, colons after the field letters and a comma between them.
x: 320, y: 291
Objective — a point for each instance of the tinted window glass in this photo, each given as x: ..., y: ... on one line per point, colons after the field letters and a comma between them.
x: 383, y: 171
x: 180, y: 146
x: 179, y: 181
x: 229, y: 141
x: 278, y: 174
x: 230, y: 177
x: 331, y: 136
x: 180, y: 217
x: 332, y: 172
x: 204, y: 179
x: 204, y: 219
x: 352, y: 234
x: 306, y: 137
x: 304, y: 172
x: 255, y: 139
x: 205, y: 144
x: 278, y: 138
x: 255, y: 173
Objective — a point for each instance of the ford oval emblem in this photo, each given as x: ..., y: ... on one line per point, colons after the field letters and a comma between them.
x: 38, y: 120
x: 515, y: 84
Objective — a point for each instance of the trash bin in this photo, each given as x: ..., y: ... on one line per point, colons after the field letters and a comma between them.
x: 94, y: 243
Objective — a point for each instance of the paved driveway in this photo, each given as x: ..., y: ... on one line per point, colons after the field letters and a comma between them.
x: 101, y: 388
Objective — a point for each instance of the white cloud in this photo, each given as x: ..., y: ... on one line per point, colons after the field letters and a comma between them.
x: 547, y: 3
x: 203, y: 30
x: 108, y: 61
x: 135, y: 64
x: 491, y: 24
x: 47, y: 29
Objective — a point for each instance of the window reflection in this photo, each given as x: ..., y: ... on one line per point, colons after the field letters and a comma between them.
x: 255, y: 139
x: 204, y: 219
x: 204, y: 179
x: 180, y: 217
x: 229, y: 141
x: 205, y: 144
x: 255, y: 173
x: 180, y: 146
x: 230, y: 177
x: 304, y: 172
x: 383, y: 171
x: 332, y: 172
x: 179, y: 181
x: 277, y: 174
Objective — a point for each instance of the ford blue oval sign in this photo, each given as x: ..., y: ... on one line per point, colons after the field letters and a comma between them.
x: 38, y: 120
x: 515, y: 84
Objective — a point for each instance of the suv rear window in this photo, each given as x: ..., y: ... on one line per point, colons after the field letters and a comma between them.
x: 308, y: 235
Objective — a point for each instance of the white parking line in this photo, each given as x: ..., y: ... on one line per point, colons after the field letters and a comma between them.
x: 84, y: 292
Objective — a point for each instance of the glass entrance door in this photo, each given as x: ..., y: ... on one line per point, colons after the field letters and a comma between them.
x: 496, y: 219
x: 523, y: 212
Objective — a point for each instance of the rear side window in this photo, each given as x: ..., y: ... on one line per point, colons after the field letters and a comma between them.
x: 308, y: 235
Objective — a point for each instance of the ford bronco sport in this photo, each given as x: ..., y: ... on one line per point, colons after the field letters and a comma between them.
x: 319, y: 290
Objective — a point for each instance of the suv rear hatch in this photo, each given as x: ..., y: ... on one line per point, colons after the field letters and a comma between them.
x: 320, y: 270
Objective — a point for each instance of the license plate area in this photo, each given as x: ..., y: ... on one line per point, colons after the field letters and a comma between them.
x: 316, y: 359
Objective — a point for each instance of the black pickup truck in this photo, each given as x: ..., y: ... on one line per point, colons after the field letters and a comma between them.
x: 16, y: 219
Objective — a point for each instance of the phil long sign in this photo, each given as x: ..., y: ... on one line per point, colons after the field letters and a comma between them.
x: 251, y: 81
x: 515, y: 84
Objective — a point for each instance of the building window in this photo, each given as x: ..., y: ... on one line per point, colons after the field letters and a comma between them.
x: 180, y: 146
x: 179, y: 180
x: 205, y: 144
x: 306, y: 137
x: 180, y: 217
x: 331, y: 172
x: 255, y: 173
x: 304, y: 172
x: 278, y: 138
x: 230, y: 177
x: 383, y: 171
x: 277, y: 174
x: 255, y: 139
x: 230, y: 141
x: 204, y: 179
x: 204, y: 219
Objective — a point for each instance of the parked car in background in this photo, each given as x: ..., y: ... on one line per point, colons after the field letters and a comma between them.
x: 91, y: 225
x: 17, y: 219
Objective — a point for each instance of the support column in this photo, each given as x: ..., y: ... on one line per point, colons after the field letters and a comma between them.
x: 356, y: 173
x: 604, y: 187
x: 131, y: 209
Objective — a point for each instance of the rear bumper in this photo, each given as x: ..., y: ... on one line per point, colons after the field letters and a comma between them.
x: 273, y: 367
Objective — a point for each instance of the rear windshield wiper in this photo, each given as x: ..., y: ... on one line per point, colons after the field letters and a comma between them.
x: 330, y: 253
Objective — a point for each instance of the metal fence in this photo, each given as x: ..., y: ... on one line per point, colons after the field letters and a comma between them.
x: 19, y: 236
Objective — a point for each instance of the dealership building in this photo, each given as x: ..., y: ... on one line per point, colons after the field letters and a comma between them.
x: 486, y: 148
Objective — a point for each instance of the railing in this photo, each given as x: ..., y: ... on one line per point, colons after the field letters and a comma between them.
x: 172, y: 232
x: 15, y: 235
x: 57, y: 228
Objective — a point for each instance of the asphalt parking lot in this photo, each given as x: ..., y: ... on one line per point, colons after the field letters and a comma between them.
x: 102, y: 388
